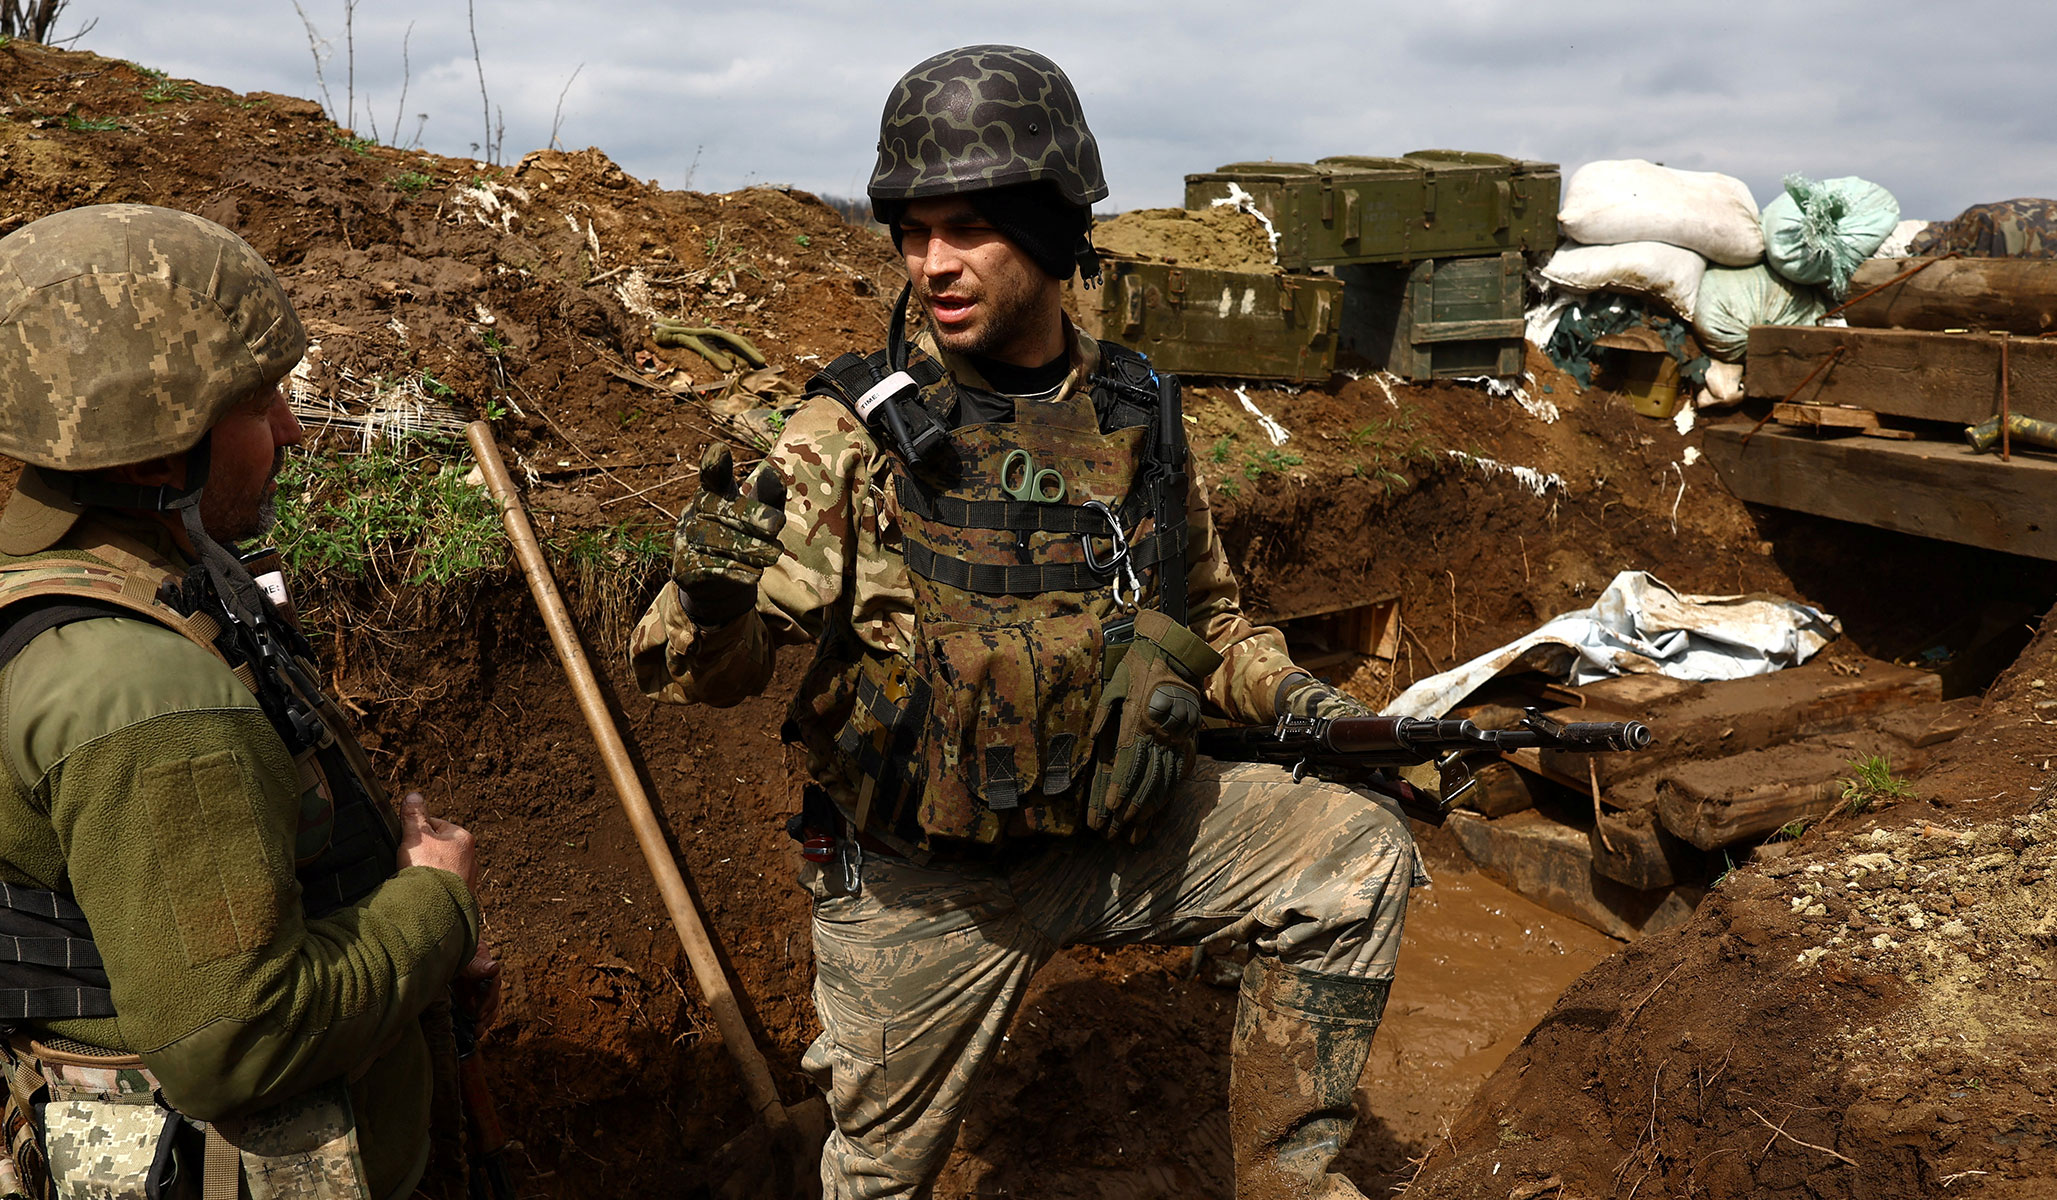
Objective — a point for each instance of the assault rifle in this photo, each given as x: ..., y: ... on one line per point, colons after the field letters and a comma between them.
x: 1356, y: 749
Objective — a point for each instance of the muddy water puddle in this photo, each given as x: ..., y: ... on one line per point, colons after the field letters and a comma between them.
x: 1479, y: 967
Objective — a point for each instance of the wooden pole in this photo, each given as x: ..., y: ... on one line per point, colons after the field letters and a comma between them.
x: 758, y: 1088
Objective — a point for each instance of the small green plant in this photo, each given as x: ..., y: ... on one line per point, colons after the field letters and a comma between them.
x: 350, y: 141
x: 494, y: 409
x: 1229, y: 488
x: 614, y: 569
x: 1791, y: 830
x: 1264, y: 462
x: 390, y: 513
x: 436, y: 387
x: 79, y: 124
x: 165, y: 91
x: 802, y: 240
x: 1222, y: 448
x: 1870, y: 781
x: 411, y: 182
x: 494, y: 343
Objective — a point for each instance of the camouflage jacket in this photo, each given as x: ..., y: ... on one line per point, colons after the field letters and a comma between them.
x: 843, y: 564
x: 140, y: 777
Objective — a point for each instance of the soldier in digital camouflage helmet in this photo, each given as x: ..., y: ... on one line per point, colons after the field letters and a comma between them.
x: 207, y: 911
x: 1020, y: 611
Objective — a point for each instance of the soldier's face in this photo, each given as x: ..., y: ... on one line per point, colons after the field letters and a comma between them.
x: 980, y: 293
x: 247, y: 449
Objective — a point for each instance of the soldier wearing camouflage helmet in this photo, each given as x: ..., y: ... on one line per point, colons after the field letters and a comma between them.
x: 1020, y: 611
x: 209, y: 913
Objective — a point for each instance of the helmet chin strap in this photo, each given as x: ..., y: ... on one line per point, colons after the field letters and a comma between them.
x: 232, y: 580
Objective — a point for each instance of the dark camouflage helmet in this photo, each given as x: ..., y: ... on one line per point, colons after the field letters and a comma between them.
x: 985, y: 117
x: 127, y: 331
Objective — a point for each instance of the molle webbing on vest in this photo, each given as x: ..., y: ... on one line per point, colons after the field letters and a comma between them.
x: 1021, y: 516
x: 1022, y: 579
x: 49, y: 969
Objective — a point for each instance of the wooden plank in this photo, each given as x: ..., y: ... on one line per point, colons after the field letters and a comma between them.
x: 1928, y: 725
x: 1833, y: 416
x: 2014, y: 294
x: 1933, y: 489
x: 1634, y: 848
x: 1739, y: 714
x: 1951, y: 377
x: 1467, y: 331
x: 1719, y: 802
x: 1500, y: 789
x: 1552, y: 864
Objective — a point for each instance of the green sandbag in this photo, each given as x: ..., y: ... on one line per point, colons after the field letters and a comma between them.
x: 1734, y: 298
x: 1820, y: 232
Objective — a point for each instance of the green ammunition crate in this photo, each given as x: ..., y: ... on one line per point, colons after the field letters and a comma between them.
x: 1241, y: 324
x: 1438, y: 319
x: 1429, y: 204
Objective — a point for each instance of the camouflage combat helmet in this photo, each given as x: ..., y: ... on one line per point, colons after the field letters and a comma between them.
x: 985, y: 117
x: 127, y: 331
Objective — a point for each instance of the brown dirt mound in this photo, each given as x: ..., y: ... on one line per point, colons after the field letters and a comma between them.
x: 530, y: 292
x: 1222, y: 239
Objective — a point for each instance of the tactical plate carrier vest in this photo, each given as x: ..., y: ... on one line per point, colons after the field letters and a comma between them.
x: 49, y: 969
x: 1025, y: 583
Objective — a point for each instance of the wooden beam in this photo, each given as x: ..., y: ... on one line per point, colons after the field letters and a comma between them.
x: 1951, y: 377
x: 1552, y: 864
x: 1747, y: 796
x: 1830, y: 416
x: 1932, y: 489
x: 2014, y: 294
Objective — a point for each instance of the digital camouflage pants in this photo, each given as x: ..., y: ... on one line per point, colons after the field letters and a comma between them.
x: 920, y: 971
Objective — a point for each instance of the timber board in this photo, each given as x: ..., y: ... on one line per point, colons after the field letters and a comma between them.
x: 1930, y: 489
x: 1952, y: 377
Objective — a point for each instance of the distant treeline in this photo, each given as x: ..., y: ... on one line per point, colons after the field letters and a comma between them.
x: 856, y: 210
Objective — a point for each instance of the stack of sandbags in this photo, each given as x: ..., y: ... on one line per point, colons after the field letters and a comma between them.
x: 1649, y: 230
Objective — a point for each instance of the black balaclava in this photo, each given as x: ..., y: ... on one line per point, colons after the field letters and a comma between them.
x: 1055, y: 234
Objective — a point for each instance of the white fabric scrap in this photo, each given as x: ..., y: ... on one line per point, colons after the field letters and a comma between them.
x: 1535, y: 481
x: 1243, y: 201
x: 1682, y: 420
x: 1640, y: 626
x: 1272, y: 429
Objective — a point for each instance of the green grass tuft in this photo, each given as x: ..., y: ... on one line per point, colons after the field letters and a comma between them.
x: 386, y: 515
x: 1870, y: 781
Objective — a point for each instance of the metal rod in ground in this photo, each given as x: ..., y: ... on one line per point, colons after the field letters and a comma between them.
x: 758, y: 1088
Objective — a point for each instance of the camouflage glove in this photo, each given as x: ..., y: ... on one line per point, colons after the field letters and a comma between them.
x: 1303, y: 695
x: 1153, y: 702
x: 726, y: 539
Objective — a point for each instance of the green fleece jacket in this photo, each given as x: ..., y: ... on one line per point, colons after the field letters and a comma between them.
x: 142, y: 779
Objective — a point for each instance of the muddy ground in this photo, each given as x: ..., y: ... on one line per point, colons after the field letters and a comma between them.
x: 1774, y: 1045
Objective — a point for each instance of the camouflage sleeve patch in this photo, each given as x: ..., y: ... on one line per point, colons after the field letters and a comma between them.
x: 1254, y: 657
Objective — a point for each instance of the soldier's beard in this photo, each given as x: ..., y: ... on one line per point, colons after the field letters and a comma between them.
x: 1008, y: 317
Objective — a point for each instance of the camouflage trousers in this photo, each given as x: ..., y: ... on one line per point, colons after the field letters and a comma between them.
x: 919, y: 972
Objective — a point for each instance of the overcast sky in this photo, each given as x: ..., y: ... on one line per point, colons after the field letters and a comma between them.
x: 1946, y: 106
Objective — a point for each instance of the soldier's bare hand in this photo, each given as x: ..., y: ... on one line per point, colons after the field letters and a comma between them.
x: 478, y: 985
x: 427, y: 841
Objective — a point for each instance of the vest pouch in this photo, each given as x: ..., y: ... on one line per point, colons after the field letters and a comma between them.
x: 879, y: 745
x: 1009, y: 718
x: 117, y: 1149
x: 305, y: 1148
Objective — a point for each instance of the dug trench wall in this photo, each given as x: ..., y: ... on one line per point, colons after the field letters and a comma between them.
x: 447, y: 289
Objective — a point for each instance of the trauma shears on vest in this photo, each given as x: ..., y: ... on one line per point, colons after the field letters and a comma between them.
x: 1021, y: 479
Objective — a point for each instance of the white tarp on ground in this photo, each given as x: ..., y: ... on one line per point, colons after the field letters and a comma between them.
x: 1640, y: 626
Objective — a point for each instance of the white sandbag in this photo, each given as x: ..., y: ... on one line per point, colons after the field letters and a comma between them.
x: 1657, y: 270
x: 1898, y: 241
x: 1629, y: 200
x: 1734, y: 298
x: 1820, y: 232
x: 1723, y: 385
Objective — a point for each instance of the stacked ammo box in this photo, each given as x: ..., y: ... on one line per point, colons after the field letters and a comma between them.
x: 1413, y: 265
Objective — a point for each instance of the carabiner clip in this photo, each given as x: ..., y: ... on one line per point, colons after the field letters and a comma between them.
x: 1115, y: 532
x: 1118, y: 564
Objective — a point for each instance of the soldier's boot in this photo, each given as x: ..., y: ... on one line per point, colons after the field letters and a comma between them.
x: 1301, y: 1041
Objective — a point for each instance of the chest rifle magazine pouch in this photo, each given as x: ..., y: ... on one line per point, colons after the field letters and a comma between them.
x: 1007, y: 720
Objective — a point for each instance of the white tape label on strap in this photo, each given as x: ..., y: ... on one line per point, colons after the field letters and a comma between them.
x: 882, y: 391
